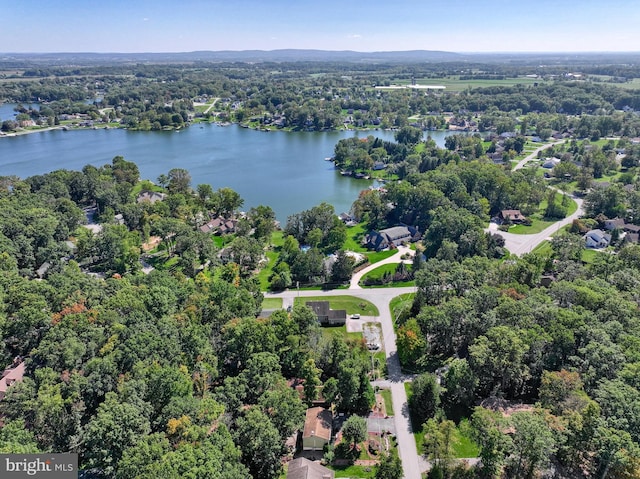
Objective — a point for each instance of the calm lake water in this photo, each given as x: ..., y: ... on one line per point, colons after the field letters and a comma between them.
x: 284, y: 170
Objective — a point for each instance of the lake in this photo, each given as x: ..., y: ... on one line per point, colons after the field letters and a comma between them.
x: 284, y: 170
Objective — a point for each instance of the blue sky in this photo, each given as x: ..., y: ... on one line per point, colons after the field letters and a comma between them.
x: 189, y: 25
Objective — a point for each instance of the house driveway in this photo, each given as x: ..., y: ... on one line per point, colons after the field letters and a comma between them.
x: 396, y: 258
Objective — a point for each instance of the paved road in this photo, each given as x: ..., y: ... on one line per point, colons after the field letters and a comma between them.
x: 534, y: 154
x: 211, y: 105
x: 411, y: 463
x: 521, y: 244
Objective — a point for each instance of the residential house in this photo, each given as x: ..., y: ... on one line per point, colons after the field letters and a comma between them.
x: 150, y: 197
x: 11, y: 375
x: 550, y: 162
x: 317, y: 429
x: 347, y: 219
x: 326, y: 315
x: 597, y: 239
x: 614, y: 223
x: 391, y: 237
x: 632, y: 238
x: 303, y: 468
x: 220, y: 226
x: 514, y: 216
x: 629, y: 228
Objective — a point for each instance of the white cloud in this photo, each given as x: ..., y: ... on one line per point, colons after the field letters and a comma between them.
x: 354, y: 35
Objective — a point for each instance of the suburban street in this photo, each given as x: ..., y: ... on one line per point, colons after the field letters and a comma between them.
x: 520, y: 244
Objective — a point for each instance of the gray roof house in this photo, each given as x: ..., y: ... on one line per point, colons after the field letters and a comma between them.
x: 150, y: 197
x: 303, y: 468
x: 326, y: 315
x: 391, y: 237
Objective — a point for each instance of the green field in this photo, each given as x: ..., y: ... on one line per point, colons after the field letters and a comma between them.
x: 453, y: 83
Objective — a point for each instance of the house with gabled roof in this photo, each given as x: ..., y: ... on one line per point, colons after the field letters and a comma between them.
x: 391, y: 237
x: 597, y: 239
x: 514, y: 216
x: 326, y: 315
x: 11, y: 375
x: 317, y: 429
x: 303, y: 468
x: 150, y: 197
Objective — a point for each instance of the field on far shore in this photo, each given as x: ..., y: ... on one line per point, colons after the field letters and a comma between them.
x: 454, y: 83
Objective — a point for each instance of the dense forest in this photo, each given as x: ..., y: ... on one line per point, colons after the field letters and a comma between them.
x: 171, y: 370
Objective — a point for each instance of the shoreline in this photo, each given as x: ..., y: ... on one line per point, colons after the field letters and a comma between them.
x: 242, y: 125
x: 28, y: 132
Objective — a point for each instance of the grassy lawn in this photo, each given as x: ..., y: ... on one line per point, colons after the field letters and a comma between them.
x: 350, y: 303
x: 538, y: 223
x: 353, y: 471
x: 272, y: 303
x: 543, y: 249
x: 388, y: 402
x: 379, y: 272
x: 340, y: 332
x: 536, y: 227
x: 400, y: 304
x: 463, y: 445
x: 272, y: 255
x: 376, y: 256
x: 354, y: 238
x: 589, y: 255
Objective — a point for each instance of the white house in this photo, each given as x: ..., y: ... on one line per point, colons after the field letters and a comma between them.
x: 597, y: 239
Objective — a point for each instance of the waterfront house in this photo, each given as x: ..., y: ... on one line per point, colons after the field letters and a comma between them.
x: 150, y: 197
x: 391, y: 237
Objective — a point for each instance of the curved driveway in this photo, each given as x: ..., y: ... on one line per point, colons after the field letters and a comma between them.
x: 520, y: 244
x: 396, y: 258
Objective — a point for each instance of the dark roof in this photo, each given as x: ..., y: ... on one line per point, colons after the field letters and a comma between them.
x: 321, y: 308
x: 396, y: 232
x: 303, y: 468
x: 512, y: 214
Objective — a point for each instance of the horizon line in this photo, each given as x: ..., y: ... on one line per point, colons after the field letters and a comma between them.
x: 490, y: 52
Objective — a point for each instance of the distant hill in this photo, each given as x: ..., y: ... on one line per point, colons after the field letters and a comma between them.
x: 299, y: 55
x: 289, y: 55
